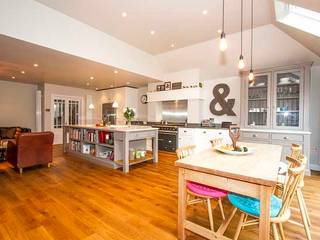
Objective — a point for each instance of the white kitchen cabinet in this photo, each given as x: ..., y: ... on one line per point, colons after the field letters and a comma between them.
x: 200, y: 137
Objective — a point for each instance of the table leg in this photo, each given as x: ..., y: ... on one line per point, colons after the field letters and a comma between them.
x: 264, y: 220
x: 126, y: 155
x: 155, y: 148
x: 181, y: 205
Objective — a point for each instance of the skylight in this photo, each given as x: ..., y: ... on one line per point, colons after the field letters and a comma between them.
x: 298, y: 17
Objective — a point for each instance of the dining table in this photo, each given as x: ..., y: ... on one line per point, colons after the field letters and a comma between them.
x: 254, y: 175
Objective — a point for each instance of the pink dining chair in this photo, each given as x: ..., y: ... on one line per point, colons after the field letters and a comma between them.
x: 200, y: 193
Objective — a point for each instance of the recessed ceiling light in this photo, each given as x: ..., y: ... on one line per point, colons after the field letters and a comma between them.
x: 97, y: 89
x: 36, y: 65
x: 124, y: 14
x: 88, y: 84
x: 152, y: 32
x: 205, y: 12
x: 23, y: 72
x: 115, y: 71
x: 91, y: 78
x: 128, y: 83
x: 13, y: 77
x: 111, y: 85
x: 219, y: 31
x: 172, y: 45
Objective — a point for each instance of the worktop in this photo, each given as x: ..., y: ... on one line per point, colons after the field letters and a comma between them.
x: 110, y: 145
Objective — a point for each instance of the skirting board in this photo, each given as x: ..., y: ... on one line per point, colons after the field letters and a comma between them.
x: 315, y: 167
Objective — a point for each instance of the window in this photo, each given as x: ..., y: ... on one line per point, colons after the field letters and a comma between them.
x: 298, y: 17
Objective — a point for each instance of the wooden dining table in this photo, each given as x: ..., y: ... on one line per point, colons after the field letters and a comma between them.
x: 253, y: 175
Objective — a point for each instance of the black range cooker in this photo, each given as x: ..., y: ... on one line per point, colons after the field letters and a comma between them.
x: 167, y: 137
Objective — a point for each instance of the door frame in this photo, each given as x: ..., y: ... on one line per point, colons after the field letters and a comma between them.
x: 66, y: 98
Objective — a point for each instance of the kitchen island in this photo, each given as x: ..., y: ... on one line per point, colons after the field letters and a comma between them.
x: 111, y: 145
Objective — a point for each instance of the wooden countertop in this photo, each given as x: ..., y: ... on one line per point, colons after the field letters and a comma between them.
x: 116, y: 128
x: 261, y: 167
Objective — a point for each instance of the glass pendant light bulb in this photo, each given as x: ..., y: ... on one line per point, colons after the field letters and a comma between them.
x: 241, y: 63
x: 223, y: 42
x: 251, y: 75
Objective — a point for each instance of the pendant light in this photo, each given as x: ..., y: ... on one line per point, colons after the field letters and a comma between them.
x: 223, y: 42
x: 251, y: 74
x: 241, y: 63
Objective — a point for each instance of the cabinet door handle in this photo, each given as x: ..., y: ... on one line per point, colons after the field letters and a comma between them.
x: 254, y: 135
x: 185, y: 131
x: 285, y: 138
x: 204, y: 132
x: 220, y: 133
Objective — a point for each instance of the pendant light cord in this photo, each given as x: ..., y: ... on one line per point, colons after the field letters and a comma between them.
x: 241, y: 24
x: 223, y: 16
x: 251, y: 32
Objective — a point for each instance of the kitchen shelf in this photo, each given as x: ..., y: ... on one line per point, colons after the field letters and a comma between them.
x: 148, y: 157
x: 285, y: 98
x: 105, y: 145
x: 257, y: 99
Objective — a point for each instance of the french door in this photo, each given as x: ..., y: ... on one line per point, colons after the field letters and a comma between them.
x: 66, y: 110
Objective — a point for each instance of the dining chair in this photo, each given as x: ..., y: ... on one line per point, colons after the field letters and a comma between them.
x: 280, y: 210
x: 302, y: 207
x: 201, y: 193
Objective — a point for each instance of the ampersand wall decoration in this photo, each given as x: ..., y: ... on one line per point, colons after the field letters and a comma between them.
x: 220, y: 98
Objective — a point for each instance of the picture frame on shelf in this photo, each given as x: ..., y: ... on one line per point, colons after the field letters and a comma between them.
x: 159, y: 88
x: 176, y: 85
x: 167, y: 86
x: 162, y: 87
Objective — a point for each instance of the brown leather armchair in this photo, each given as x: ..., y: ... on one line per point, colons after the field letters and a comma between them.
x: 30, y: 149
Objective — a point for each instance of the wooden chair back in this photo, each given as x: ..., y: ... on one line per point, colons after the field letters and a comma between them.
x: 295, y: 174
x: 185, y: 151
x: 296, y: 151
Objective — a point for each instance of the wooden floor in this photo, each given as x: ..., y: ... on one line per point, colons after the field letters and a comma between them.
x: 78, y: 200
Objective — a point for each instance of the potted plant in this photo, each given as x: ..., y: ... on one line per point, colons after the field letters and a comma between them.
x: 129, y: 114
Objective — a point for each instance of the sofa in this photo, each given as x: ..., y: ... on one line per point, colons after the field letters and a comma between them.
x: 30, y: 149
x: 9, y: 133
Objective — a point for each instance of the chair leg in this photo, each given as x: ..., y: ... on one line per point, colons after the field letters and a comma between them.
x: 275, y: 231
x: 20, y: 171
x: 210, y: 214
x: 305, y: 209
x: 303, y: 215
x: 283, y: 237
x: 221, y: 209
x: 239, y: 227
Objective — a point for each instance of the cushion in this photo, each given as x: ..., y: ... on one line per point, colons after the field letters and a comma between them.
x: 11, y: 132
x: 251, y: 205
x: 204, y: 190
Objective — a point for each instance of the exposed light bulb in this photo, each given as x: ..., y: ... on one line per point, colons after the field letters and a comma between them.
x: 241, y: 63
x: 91, y: 106
x: 251, y: 75
x: 223, y: 42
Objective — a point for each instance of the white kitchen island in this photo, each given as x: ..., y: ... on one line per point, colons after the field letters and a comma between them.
x: 110, y: 145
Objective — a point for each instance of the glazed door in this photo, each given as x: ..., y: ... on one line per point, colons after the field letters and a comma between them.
x: 65, y: 111
x: 288, y: 99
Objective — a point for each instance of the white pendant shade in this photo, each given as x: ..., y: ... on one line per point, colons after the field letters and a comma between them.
x: 91, y: 106
x: 223, y: 44
x: 115, y: 104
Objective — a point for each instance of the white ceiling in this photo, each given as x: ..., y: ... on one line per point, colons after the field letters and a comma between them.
x: 59, y: 68
x: 175, y: 21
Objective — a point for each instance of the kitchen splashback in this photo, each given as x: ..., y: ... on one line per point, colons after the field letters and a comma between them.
x: 175, y: 111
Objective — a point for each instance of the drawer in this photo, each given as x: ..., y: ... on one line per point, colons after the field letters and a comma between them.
x: 141, y: 135
x: 256, y: 135
x: 287, y: 137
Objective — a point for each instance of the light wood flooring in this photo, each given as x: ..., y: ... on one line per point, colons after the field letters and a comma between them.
x: 79, y: 200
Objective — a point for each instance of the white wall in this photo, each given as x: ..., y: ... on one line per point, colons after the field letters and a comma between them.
x: 33, y: 22
x: 142, y: 108
x: 315, y: 117
x: 17, y: 104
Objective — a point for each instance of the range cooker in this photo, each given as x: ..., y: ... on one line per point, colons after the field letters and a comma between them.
x: 167, y: 137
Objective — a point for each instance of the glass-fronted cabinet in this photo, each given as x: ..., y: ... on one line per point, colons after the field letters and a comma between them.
x: 258, y: 106
x: 288, y: 98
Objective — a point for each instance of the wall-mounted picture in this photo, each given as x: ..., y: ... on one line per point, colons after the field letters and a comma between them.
x: 167, y: 86
x: 176, y: 85
x: 162, y: 88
